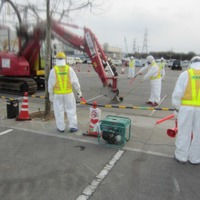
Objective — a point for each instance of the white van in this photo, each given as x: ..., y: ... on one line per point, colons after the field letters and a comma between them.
x: 70, y: 60
x: 78, y: 60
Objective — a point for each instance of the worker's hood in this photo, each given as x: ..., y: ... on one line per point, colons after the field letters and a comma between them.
x: 195, y: 65
x: 60, y: 62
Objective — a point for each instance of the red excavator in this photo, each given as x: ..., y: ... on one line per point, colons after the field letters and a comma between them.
x: 90, y: 45
x: 20, y: 72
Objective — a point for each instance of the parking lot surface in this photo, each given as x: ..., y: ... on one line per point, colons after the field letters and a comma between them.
x: 37, y: 162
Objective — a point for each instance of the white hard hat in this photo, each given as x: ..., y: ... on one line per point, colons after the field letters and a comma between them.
x: 195, y: 63
x: 195, y: 59
x: 162, y: 58
x: 132, y: 57
x: 150, y: 59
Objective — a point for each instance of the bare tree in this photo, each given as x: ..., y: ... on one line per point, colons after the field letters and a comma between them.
x: 48, y: 57
x: 70, y: 5
x: 57, y: 10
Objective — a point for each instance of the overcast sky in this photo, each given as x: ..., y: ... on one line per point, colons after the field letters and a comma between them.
x: 172, y: 25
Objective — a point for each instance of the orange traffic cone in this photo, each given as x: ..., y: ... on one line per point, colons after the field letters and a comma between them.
x: 95, y: 116
x: 24, y: 115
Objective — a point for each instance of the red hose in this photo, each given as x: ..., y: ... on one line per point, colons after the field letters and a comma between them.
x: 164, y: 119
x: 83, y: 99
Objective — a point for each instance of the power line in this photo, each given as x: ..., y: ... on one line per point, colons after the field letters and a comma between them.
x: 134, y: 46
x: 145, y: 45
x: 126, y: 46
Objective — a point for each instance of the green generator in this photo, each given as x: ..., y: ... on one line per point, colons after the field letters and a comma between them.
x: 114, y: 131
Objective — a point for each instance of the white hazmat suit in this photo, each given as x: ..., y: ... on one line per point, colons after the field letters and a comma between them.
x: 162, y: 68
x: 64, y: 102
x: 153, y: 71
x: 188, y: 136
x: 131, y: 70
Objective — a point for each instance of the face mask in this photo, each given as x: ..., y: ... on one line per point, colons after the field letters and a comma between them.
x: 60, y: 62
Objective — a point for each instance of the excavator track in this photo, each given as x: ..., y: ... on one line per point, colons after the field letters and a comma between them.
x: 16, y: 85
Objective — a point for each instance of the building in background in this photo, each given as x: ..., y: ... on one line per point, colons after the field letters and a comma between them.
x: 112, y: 52
x: 9, y: 42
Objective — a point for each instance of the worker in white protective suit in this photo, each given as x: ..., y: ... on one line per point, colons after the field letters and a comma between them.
x: 186, y: 101
x: 131, y: 70
x: 162, y: 68
x: 61, y: 79
x: 154, y: 75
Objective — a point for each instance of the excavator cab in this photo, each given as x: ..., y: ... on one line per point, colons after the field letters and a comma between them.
x: 23, y: 72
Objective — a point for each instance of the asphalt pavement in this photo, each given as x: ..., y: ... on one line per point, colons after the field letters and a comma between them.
x: 38, y: 162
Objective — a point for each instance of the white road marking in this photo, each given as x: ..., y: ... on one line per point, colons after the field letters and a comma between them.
x: 176, y: 184
x: 176, y: 190
x: 149, y: 152
x: 92, y: 99
x: 152, y: 112
x: 95, y: 98
x: 69, y: 137
x: 90, y: 189
x: 5, y: 132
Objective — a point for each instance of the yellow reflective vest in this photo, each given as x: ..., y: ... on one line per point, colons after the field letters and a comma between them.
x: 63, y: 84
x: 192, y: 93
x: 132, y: 63
x: 161, y: 66
x: 158, y: 75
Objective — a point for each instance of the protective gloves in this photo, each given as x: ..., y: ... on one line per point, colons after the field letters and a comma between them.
x: 51, y: 96
x: 79, y: 94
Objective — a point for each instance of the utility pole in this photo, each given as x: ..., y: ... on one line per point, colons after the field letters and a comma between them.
x: 48, y: 57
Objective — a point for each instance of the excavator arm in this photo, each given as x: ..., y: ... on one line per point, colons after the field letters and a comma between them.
x: 90, y: 45
x: 15, y: 67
